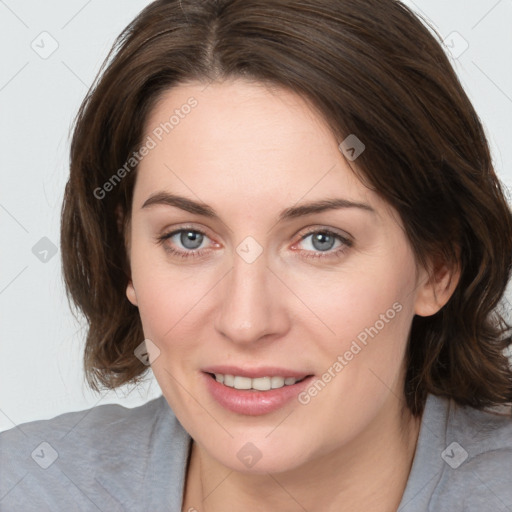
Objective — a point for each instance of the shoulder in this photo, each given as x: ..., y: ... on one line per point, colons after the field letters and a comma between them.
x: 482, y: 431
x: 91, y: 427
x: 97, y: 456
x: 463, y: 460
x: 478, y: 458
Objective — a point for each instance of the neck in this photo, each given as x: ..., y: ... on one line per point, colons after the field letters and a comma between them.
x: 354, y: 477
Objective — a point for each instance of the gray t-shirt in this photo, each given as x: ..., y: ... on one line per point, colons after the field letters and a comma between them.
x: 111, y: 458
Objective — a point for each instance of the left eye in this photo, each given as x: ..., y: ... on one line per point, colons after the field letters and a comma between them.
x: 322, y: 240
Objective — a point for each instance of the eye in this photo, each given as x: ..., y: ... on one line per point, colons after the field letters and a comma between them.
x: 323, y: 241
x: 187, y: 238
x: 190, y: 239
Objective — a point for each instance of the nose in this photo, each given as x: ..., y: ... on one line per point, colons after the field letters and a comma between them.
x: 251, y: 303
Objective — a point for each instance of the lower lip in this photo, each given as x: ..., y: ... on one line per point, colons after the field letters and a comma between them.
x: 250, y: 402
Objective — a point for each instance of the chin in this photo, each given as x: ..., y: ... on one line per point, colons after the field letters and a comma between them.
x: 255, y: 457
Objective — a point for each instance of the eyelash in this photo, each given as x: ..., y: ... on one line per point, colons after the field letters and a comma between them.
x: 199, y: 252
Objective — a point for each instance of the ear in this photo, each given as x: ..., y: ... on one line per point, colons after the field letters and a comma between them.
x: 130, y: 293
x: 435, y: 288
x: 123, y: 228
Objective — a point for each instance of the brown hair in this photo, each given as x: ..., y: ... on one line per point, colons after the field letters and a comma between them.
x: 371, y: 68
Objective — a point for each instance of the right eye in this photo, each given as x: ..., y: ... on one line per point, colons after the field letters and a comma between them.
x: 190, y: 240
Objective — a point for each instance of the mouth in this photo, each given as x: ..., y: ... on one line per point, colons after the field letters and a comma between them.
x: 243, y: 383
x: 255, y: 395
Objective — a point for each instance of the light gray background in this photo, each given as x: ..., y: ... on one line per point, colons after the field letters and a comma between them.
x: 41, y: 343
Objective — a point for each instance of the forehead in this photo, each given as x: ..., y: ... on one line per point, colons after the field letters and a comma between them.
x: 243, y: 141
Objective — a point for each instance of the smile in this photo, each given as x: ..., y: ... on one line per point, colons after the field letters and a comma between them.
x: 254, y: 396
x: 258, y: 384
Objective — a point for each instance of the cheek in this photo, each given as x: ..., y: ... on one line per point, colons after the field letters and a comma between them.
x: 361, y: 361
x: 169, y: 297
x: 366, y: 314
x: 348, y: 302
x: 164, y: 304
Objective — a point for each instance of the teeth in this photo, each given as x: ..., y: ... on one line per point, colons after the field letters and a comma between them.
x: 242, y: 383
x: 260, y: 383
x: 277, y: 382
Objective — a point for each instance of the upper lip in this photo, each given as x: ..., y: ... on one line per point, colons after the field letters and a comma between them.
x: 253, y: 373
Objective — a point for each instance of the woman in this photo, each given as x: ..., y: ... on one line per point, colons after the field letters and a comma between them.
x: 289, y: 211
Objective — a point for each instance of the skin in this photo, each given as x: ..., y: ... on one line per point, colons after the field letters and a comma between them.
x: 250, y: 152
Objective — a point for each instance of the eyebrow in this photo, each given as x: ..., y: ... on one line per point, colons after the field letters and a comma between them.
x: 188, y: 205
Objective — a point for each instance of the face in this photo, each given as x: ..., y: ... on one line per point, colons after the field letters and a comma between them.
x: 256, y: 286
